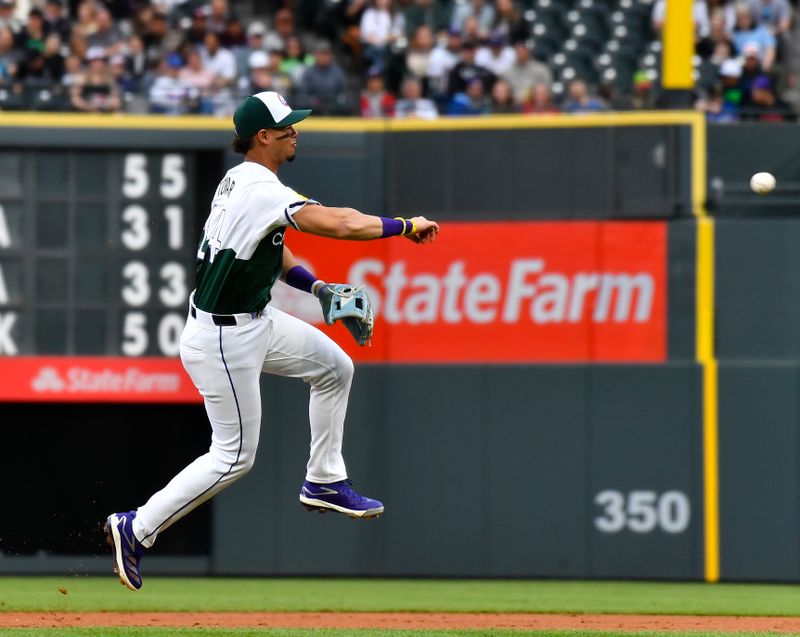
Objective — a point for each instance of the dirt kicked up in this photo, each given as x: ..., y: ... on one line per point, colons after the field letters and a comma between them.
x: 400, y: 621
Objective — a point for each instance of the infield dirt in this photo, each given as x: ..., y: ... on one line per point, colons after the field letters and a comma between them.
x: 399, y: 621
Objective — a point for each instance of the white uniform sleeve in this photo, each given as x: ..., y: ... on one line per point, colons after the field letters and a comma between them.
x: 276, y: 205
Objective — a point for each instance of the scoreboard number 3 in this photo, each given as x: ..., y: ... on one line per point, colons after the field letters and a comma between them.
x: 642, y: 511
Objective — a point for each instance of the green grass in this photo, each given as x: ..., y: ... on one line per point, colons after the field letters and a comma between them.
x: 222, y: 594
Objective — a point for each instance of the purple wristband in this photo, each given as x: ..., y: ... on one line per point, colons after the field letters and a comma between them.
x: 300, y: 278
x: 392, y: 227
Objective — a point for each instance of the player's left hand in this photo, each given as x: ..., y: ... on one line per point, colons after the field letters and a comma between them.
x: 350, y: 305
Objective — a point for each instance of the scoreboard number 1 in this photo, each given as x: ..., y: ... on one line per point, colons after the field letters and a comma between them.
x: 148, y: 226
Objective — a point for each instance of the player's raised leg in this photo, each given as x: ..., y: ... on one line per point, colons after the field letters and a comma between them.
x: 225, y: 365
x: 299, y: 350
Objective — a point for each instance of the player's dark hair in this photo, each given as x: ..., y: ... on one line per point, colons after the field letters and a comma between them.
x: 240, y: 145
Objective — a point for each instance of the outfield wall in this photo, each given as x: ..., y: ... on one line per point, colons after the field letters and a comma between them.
x: 501, y: 447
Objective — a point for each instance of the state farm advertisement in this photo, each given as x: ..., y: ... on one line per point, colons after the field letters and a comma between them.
x: 95, y: 379
x: 511, y: 292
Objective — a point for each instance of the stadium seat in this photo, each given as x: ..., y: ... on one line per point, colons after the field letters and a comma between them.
x: 10, y: 101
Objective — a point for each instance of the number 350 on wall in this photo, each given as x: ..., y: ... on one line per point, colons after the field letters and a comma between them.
x: 642, y: 511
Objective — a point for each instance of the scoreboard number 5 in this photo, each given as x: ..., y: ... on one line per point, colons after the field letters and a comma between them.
x: 642, y: 511
x: 136, y: 181
x: 135, y: 339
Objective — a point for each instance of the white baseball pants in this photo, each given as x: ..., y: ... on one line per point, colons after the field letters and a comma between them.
x: 225, y: 363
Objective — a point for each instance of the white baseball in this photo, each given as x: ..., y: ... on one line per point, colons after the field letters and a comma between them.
x: 762, y: 183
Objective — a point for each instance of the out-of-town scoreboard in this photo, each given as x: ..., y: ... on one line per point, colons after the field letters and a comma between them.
x: 97, y: 248
x: 95, y: 254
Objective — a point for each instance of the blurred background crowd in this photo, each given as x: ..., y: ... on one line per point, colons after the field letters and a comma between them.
x: 390, y: 58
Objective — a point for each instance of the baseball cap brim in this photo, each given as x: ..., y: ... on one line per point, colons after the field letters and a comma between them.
x: 264, y: 111
x: 292, y: 118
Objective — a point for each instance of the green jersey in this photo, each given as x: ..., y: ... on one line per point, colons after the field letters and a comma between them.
x: 241, y: 253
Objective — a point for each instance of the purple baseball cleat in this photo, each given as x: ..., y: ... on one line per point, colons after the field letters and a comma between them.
x: 127, y: 549
x: 339, y: 496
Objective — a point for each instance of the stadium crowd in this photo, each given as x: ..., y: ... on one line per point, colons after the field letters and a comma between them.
x: 383, y: 58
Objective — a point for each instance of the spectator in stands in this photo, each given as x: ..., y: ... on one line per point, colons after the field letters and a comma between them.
x: 508, y: 21
x: 95, y: 91
x: 323, y: 86
x: 442, y: 60
x: 434, y: 14
x: 199, y: 82
x: 218, y: 15
x: 136, y: 63
x: 718, y: 41
x: 502, y: 99
x: 472, y: 101
x: 418, y: 54
x: 497, y: 56
x: 481, y: 10
x: 72, y: 71
x: 259, y: 78
x: 107, y: 34
x: 726, y: 10
x: 380, y: 27
x: 472, y: 31
x: 7, y: 17
x: 219, y: 60
x: 282, y: 30
x: 765, y: 105
x: 349, y: 17
x: 579, y: 100
x: 746, y: 32
x: 78, y: 45
x: 540, y: 102
x: 31, y: 69
x: 280, y: 80
x: 751, y: 68
x: 526, y: 72
x: 86, y: 24
x: 125, y: 82
x: 155, y: 36
x: 53, y: 59
x: 699, y: 16
x: 295, y: 59
x: 412, y: 104
x: 55, y: 21
x: 644, y: 94
x: 776, y: 17
x: 196, y: 33
x: 255, y: 42
x: 375, y: 100
x: 715, y: 107
x: 730, y: 91
x: 234, y: 35
x: 467, y: 70
x: 32, y: 36
x: 9, y: 56
x: 168, y: 94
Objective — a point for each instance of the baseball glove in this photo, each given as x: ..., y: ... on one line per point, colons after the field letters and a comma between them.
x: 351, y: 306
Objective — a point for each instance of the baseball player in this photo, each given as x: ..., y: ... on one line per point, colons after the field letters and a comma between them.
x: 232, y: 334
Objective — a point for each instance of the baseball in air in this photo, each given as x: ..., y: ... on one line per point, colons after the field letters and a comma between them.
x: 762, y: 183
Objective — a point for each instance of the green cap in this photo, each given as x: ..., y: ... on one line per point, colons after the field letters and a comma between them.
x: 265, y: 110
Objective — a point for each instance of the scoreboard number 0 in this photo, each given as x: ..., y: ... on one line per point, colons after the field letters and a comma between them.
x: 136, y: 340
x: 642, y: 511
